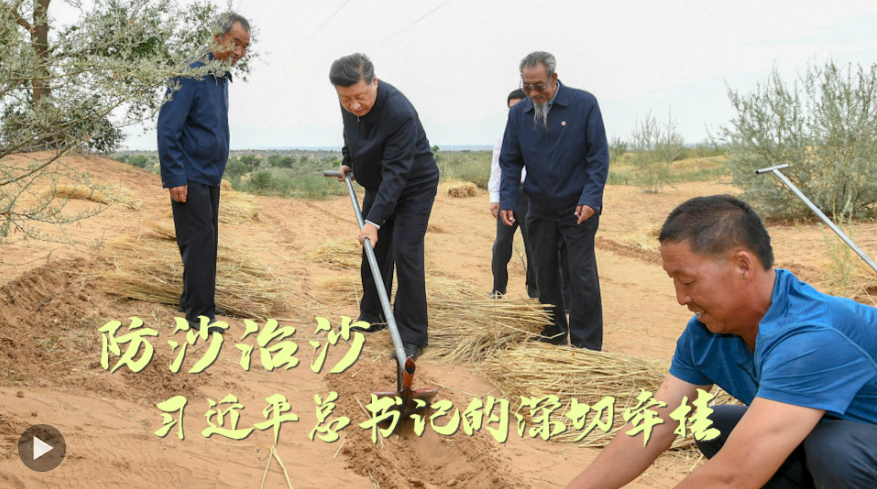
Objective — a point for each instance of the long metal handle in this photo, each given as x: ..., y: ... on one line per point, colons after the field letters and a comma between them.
x: 776, y: 171
x: 376, y: 274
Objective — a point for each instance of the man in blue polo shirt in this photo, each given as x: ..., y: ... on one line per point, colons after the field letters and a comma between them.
x: 558, y: 134
x: 193, y: 142
x: 804, y: 364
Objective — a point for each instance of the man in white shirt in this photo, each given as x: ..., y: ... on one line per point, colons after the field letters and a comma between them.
x: 505, y: 235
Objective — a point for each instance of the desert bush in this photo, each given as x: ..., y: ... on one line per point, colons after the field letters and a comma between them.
x: 824, y: 126
x: 654, y: 148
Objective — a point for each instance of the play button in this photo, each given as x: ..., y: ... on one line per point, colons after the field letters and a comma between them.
x: 42, y: 448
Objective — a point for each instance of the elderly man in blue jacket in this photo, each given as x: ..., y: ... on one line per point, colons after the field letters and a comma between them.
x: 386, y: 148
x: 193, y: 143
x: 558, y: 134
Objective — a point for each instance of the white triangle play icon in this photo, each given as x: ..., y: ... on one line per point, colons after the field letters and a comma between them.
x: 40, y: 448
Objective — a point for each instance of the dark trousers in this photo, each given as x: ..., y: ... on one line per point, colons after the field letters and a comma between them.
x: 585, y: 327
x: 836, y: 454
x: 196, y: 222
x: 400, y: 244
x: 502, y: 250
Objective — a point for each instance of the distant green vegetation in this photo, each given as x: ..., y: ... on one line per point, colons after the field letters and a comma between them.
x: 292, y: 173
x: 299, y: 173
x: 467, y: 166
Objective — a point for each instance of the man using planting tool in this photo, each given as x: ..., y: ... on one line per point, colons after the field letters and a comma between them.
x: 193, y: 143
x: 557, y: 134
x: 387, y: 151
x: 803, y: 363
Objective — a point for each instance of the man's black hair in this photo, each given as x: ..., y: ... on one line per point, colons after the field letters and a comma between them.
x: 350, y: 69
x: 516, y: 94
x: 716, y: 224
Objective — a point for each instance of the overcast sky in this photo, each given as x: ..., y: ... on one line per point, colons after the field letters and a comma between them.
x: 457, y: 60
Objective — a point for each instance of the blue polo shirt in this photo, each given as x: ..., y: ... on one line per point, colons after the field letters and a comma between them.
x: 193, y: 137
x: 812, y: 350
x: 567, y: 164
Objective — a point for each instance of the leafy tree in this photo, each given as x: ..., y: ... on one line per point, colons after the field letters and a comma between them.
x: 75, y: 87
x: 824, y: 126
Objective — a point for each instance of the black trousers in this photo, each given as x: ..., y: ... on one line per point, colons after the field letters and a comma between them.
x: 502, y: 250
x: 196, y: 222
x: 585, y: 327
x: 400, y: 244
x: 836, y: 454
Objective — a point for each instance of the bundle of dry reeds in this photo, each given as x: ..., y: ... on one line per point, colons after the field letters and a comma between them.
x: 537, y: 369
x: 461, y: 189
x: 103, y: 194
x: 645, y: 239
x: 147, y: 267
x: 462, y: 326
x: 343, y: 254
x: 225, y: 185
x: 237, y: 207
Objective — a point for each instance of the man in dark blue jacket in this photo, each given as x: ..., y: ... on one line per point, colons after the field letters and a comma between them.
x: 193, y: 145
x: 558, y: 134
x: 386, y: 149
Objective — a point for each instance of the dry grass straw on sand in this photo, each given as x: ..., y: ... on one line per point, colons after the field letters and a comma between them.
x: 645, y: 239
x: 463, y: 326
x: 237, y: 207
x: 461, y: 189
x: 343, y: 254
x: 147, y: 267
x: 103, y: 194
x: 537, y: 369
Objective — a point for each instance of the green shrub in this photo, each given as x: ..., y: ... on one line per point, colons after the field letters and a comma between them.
x: 824, y: 127
x: 655, y: 147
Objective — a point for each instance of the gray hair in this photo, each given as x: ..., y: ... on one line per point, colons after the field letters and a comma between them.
x: 226, y: 22
x: 349, y: 70
x: 539, y: 57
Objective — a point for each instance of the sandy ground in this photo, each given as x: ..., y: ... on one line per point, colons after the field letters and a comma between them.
x: 51, y: 306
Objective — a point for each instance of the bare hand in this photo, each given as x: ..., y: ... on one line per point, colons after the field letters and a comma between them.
x: 343, y: 170
x: 179, y: 194
x: 494, y: 209
x: 368, y: 231
x: 584, y: 212
x: 508, y: 217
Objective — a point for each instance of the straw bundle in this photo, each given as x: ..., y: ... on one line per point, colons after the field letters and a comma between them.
x: 339, y: 255
x: 462, y: 326
x: 237, y: 207
x: 147, y: 267
x: 461, y: 189
x: 103, y: 194
x: 645, y: 239
x: 536, y: 370
x: 225, y: 185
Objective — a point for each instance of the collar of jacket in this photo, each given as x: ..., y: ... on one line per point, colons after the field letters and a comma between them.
x: 561, y: 98
x: 215, y: 73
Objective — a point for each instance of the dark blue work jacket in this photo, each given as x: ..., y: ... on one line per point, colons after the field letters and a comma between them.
x: 567, y: 164
x: 193, y: 134
x: 388, y: 151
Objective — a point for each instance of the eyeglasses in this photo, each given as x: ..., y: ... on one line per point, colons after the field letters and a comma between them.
x: 538, y: 87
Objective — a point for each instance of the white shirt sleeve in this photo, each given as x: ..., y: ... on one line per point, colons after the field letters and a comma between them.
x: 495, y: 173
